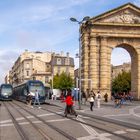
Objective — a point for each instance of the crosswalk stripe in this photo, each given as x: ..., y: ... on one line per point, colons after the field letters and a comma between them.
x: 120, y: 132
x: 131, y: 130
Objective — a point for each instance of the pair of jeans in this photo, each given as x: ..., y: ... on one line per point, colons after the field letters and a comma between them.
x: 70, y: 110
x: 36, y: 101
x: 91, y: 106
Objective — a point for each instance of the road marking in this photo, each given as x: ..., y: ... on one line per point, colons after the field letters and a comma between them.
x: 92, y: 137
x: 120, y: 132
x: 3, y: 125
x: 116, y: 115
x: 5, y: 121
x: 131, y: 130
x: 21, y: 118
x: 42, y: 115
x: 105, y: 134
x: 23, y: 123
x: 132, y: 112
x: 83, y: 117
x: 89, y: 129
x: 49, y: 114
x: 58, y: 120
x: 29, y: 117
x: 37, y: 122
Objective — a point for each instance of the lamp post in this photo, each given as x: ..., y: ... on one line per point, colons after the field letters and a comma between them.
x: 80, y: 23
x: 52, y: 76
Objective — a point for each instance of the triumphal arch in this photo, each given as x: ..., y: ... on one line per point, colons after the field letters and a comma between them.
x: 119, y: 27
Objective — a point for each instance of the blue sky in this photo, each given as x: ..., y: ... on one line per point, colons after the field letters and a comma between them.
x: 44, y: 25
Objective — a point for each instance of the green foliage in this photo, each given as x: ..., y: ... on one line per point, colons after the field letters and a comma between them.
x: 122, y: 83
x: 62, y: 81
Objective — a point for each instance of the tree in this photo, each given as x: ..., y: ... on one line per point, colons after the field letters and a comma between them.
x: 63, y: 81
x: 122, y: 83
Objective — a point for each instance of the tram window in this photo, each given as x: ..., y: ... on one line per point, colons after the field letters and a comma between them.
x: 25, y: 92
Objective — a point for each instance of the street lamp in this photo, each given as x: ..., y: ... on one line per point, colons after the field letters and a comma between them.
x: 80, y: 23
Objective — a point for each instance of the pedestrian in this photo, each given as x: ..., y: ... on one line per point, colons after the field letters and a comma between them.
x: 84, y: 98
x: 69, y: 105
x: 98, y: 98
x: 29, y: 99
x: 106, y: 97
x: 36, y: 100
x: 91, y: 100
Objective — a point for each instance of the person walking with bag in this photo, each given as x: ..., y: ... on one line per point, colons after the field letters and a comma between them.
x: 29, y: 99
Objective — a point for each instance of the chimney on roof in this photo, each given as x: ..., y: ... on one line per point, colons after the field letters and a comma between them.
x: 62, y: 53
x: 67, y: 54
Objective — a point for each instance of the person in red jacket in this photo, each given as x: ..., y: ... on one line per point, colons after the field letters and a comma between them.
x: 69, y: 105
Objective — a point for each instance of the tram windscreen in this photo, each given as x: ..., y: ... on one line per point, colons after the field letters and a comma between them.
x: 37, y: 86
x: 6, y: 90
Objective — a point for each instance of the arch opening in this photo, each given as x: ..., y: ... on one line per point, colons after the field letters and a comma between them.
x: 124, y: 58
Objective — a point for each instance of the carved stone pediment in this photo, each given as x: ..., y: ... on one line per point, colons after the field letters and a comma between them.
x: 127, y: 14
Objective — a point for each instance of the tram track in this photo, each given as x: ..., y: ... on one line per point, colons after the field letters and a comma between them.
x: 66, y: 135
x: 16, y: 124
x: 41, y: 131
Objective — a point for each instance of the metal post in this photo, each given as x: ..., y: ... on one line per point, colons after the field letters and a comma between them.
x: 76, y: 87
x: 79, y: 67
x: 52, y: 76
x: 86, y: 18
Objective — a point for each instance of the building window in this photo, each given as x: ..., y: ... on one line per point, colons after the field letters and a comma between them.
x: 58, y: 61
x: 27, y: 73
x: 46, y: 79
x: 67, y: 61
x: 48, y: 67
x: 34, y: 78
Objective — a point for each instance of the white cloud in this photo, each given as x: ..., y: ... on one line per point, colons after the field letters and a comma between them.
x: 7, y: 59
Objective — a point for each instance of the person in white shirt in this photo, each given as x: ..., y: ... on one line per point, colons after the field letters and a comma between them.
x: 98, y: 97
x: 36, y: 98
x: 91, y: 100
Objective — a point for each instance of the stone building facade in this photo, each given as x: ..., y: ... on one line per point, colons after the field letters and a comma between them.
x: 119, y: 27
x: 118, y: 69
x: 39, y: 66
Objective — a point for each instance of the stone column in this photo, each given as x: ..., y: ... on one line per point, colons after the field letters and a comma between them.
x: 109, y: 69
x: 93, y: 63
x: 137, y: 96
x: 104, y: 73
x: 84, y: 60
x: 134, y: 74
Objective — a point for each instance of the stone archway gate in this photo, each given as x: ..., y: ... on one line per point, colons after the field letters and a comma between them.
x: 119, y: 27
